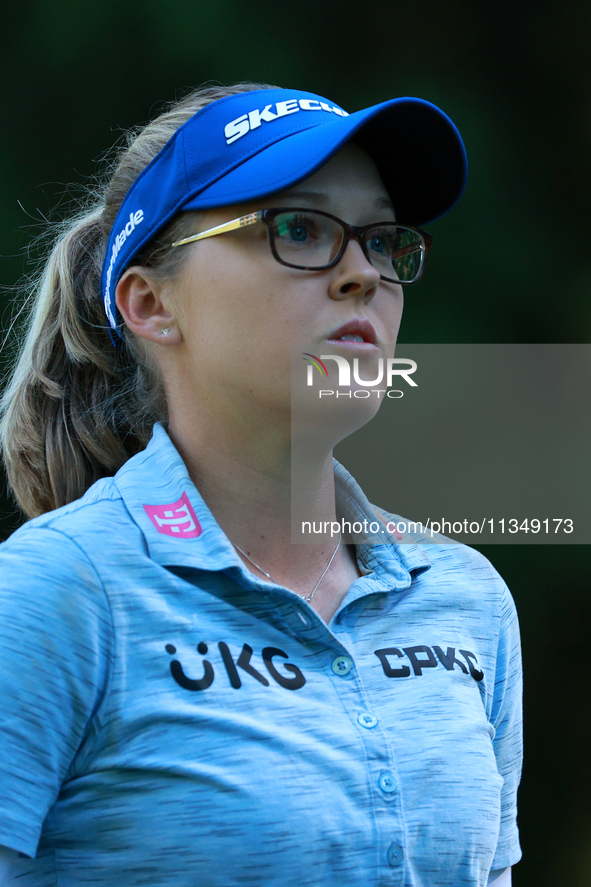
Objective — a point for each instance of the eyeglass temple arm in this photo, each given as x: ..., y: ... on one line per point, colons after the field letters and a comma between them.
x: 407, y: 250
x: 250, y: 219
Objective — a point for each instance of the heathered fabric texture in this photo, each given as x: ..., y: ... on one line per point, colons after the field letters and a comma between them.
x: 168, y: 718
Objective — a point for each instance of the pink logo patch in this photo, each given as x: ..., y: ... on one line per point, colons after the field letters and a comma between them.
x: 177, y: 519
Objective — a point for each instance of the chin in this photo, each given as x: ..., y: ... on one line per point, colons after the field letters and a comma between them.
x: 325, y: 419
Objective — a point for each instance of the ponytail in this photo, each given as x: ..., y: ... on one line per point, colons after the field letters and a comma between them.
x: 77, y: 408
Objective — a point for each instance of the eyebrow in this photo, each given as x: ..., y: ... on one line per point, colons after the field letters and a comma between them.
x: 323, y: 198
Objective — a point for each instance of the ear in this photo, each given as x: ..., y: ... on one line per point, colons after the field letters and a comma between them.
x: 143, y: 305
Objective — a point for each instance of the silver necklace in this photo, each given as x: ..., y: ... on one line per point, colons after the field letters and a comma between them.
x: 306, y: 597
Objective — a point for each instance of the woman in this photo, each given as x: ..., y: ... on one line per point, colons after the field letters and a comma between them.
x: 191, y: 698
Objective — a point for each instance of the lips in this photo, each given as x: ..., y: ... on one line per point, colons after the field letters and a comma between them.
x: 354, y: 331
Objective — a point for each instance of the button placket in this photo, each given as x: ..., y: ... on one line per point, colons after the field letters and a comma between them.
x: 389, y: 820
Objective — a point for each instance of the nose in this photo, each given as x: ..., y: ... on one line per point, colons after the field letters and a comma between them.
x: 355, y: 275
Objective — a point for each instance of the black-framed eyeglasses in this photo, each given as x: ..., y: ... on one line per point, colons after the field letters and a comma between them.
x: 313, y: 240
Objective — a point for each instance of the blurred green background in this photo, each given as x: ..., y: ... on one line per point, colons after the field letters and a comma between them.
x: 511, y: 264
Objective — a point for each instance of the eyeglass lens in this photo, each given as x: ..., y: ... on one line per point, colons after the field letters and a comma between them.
x: 312, y: 240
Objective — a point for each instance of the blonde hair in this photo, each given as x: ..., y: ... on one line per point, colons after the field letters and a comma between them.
x: 76, y: 408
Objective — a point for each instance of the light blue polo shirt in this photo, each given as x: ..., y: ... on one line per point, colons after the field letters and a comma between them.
x: 168, y: 718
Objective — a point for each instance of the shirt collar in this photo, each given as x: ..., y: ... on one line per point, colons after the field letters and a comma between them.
x: 161, y: 498
x: 180, y: 530
x: 374, y: 549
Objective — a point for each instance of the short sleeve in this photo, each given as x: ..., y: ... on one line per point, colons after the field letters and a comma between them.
x: 506, y: 718
x: 55, y: 650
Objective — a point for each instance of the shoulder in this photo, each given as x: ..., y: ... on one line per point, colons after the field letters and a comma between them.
x: 449, y: 560
x: 452, y: 577
x: 446, y: 574
x: 56, y: 624
x: 64, y: 546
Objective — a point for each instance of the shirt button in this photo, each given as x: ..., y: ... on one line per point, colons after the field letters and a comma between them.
x: 395, y: 855
x: 367, y: 720
x: 342, y: 665
x: 387, y: 783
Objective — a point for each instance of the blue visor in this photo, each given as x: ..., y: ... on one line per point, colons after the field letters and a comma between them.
x: 249, y: 145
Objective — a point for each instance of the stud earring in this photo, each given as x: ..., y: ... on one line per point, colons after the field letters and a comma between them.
x: 165, y: 331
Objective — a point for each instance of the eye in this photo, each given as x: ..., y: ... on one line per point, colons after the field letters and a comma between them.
x: 381, y: 243
x: 298, y: 232
x: 296, y: 228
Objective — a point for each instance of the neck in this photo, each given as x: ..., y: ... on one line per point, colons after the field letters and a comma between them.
x: 257, y: 483
x: 259, y: 486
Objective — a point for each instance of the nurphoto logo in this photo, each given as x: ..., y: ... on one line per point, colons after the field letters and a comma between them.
x: 387, y: 369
